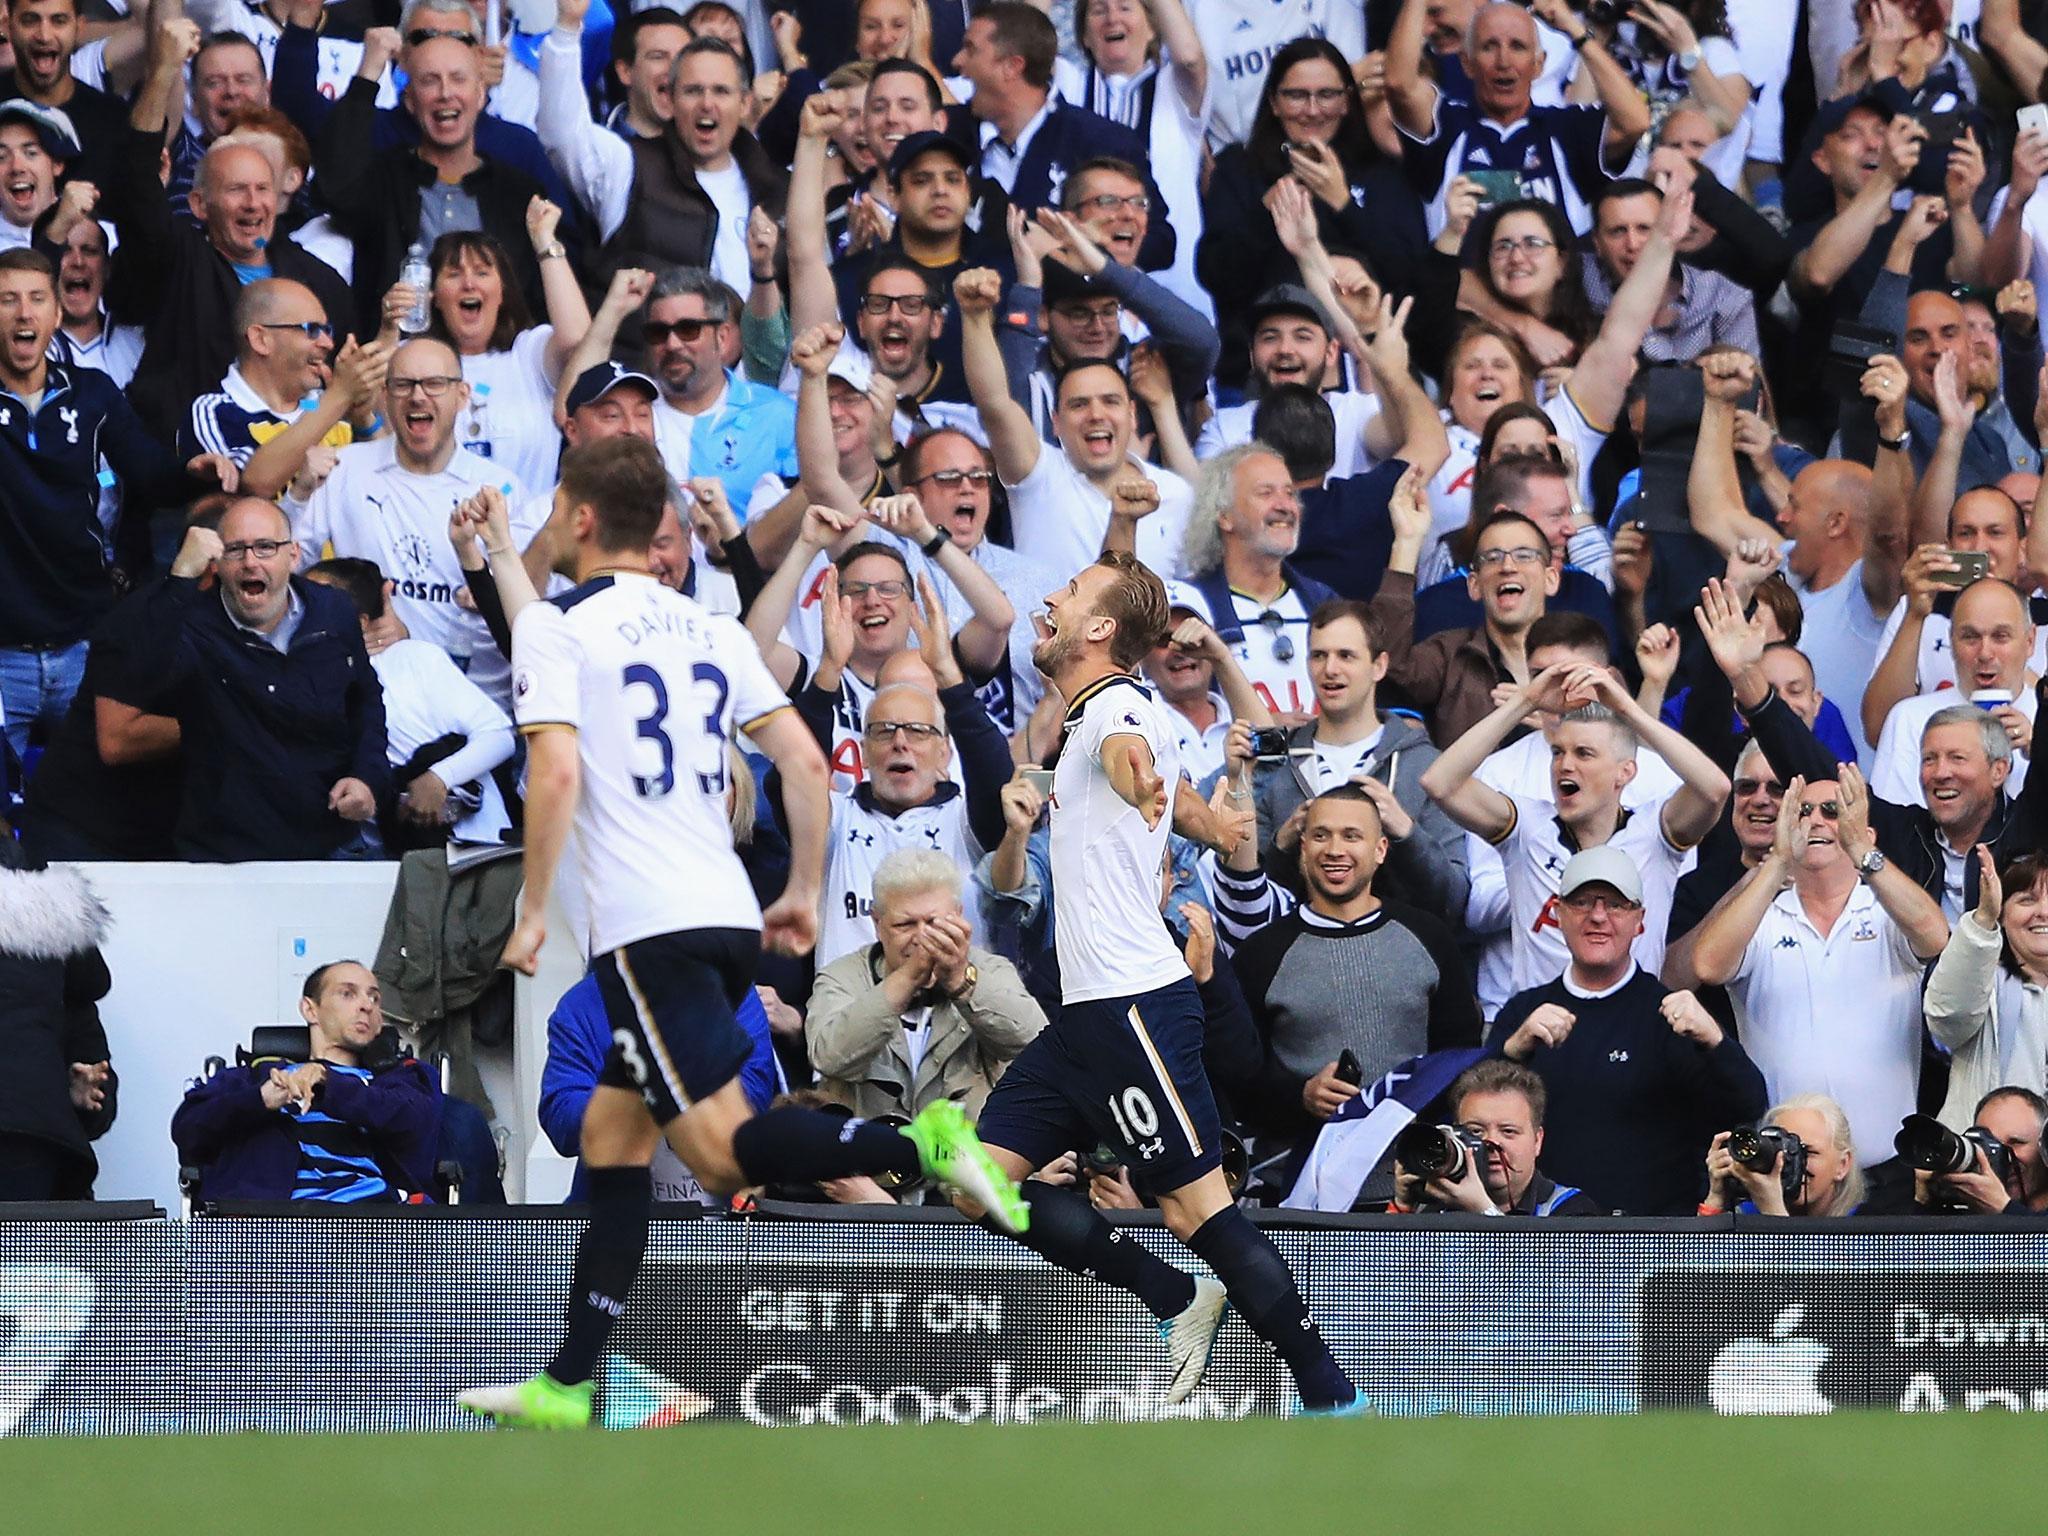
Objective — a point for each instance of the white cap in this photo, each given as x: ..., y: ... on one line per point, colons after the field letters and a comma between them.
x: 1602, y: 866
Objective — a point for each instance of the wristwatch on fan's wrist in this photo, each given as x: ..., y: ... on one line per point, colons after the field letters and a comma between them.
x: 1869, y: 865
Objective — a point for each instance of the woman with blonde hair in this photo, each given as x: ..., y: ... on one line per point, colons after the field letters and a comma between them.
x: 1832, y: 1184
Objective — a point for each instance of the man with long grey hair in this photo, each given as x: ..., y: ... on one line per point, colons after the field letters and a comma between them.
x: 1236, y: 554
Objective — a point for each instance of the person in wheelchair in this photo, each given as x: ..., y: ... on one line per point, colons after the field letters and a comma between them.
x: 354, y: 1123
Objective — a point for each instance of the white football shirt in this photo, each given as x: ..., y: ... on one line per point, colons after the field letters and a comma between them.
x: 1535, y: 853
x: 653, y: 686
x: 374, y: 508
x: 1058, y: 517
x: 1106, y: 863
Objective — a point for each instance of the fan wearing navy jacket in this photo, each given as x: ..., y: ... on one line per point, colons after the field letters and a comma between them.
x: 329, y: 1128
x: 53, y: 560
x: 1029, y: 140
x: 1639, y: 1077
x: 280, y: 714
x: 1560, y: 154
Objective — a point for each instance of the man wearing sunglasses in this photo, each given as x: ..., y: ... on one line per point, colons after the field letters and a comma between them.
x: 286, y: 357
x: 711, y: 419
x: 1822, y: 946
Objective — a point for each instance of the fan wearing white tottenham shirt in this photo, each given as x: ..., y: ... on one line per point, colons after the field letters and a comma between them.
x: 1124, y: 1062
x: 1064, y: 502
x: 389, y: 501
x: 1592, y: 759
x: 629, y: 693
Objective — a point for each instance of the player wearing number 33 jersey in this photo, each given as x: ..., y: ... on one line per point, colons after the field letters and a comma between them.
x: 654, y: 686
x: 629, y: 694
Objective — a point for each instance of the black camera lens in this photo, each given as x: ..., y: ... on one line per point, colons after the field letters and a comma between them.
x: 1436, y: 1151
x: 1932, y: 1147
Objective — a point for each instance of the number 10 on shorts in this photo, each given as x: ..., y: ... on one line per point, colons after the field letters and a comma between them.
x: 1137, y: 1122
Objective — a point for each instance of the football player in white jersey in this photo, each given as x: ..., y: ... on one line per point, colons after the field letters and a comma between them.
x: 629, y: 693
x: 1593, y: 748
x: 1123, y: 1064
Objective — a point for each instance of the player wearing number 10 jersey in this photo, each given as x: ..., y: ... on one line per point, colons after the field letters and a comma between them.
x: 1124, y: 1062
x: 629, y: 694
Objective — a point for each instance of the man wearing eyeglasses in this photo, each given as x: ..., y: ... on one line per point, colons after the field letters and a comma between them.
x: 281, y: 716
x: 1822, y: 946
x: 286, y: 358
x: 389, y: 501
x: 908, y: 799
x: 712, y: 420
x: 1091, y: 302
x: 1639, y: 1077
x: 949, y: 474
x: 894, y: 296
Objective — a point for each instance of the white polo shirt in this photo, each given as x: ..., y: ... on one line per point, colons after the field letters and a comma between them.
x: 1793, y: 1008
x: 1058, y: 518
x: 1895, y: 769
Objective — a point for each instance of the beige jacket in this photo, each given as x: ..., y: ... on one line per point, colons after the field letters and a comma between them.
x: 856, y: 1041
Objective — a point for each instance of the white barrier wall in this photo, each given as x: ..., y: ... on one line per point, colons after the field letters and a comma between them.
x: 201, y: 953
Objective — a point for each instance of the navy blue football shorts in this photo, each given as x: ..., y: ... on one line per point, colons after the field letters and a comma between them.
x: 1126, y: 1071
x: 669, y: 1003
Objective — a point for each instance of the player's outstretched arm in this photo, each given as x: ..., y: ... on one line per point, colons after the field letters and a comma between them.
x: 553, y: 776
x: 1134, y: 776
x: 790, y: 925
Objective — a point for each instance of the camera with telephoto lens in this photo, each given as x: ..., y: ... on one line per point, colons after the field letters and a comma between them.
x: 1756, y: 1147
x: 1437, y: 1151
x: 1932, y: 1147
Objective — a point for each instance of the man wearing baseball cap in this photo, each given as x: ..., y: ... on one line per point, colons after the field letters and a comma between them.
x: 36, y: 145
x: 1639, y: 1077
x: 1293, y: 342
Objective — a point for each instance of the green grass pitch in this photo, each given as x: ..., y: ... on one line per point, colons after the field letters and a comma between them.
x: 1676, y: 1473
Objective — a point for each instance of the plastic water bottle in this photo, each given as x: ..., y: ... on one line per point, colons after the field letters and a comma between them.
x: 419, y: 277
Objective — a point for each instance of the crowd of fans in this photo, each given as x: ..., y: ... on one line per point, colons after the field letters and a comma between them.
x: 1595, y: 454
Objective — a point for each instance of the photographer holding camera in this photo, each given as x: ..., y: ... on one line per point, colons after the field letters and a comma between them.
x: 1801, y: 1161
x: 1485, y: 1162
x: 1992, y: 1168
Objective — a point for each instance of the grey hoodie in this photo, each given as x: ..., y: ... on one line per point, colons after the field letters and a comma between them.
x: 1427, y: 870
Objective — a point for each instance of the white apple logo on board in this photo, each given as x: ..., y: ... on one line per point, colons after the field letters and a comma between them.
x: 1775, y: 1375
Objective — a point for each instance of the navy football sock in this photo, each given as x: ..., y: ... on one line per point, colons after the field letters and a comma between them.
x: 1071, y: 1233
x: 1262, y: 1289
x: 806, y: 1146
x: 607, y: 1258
